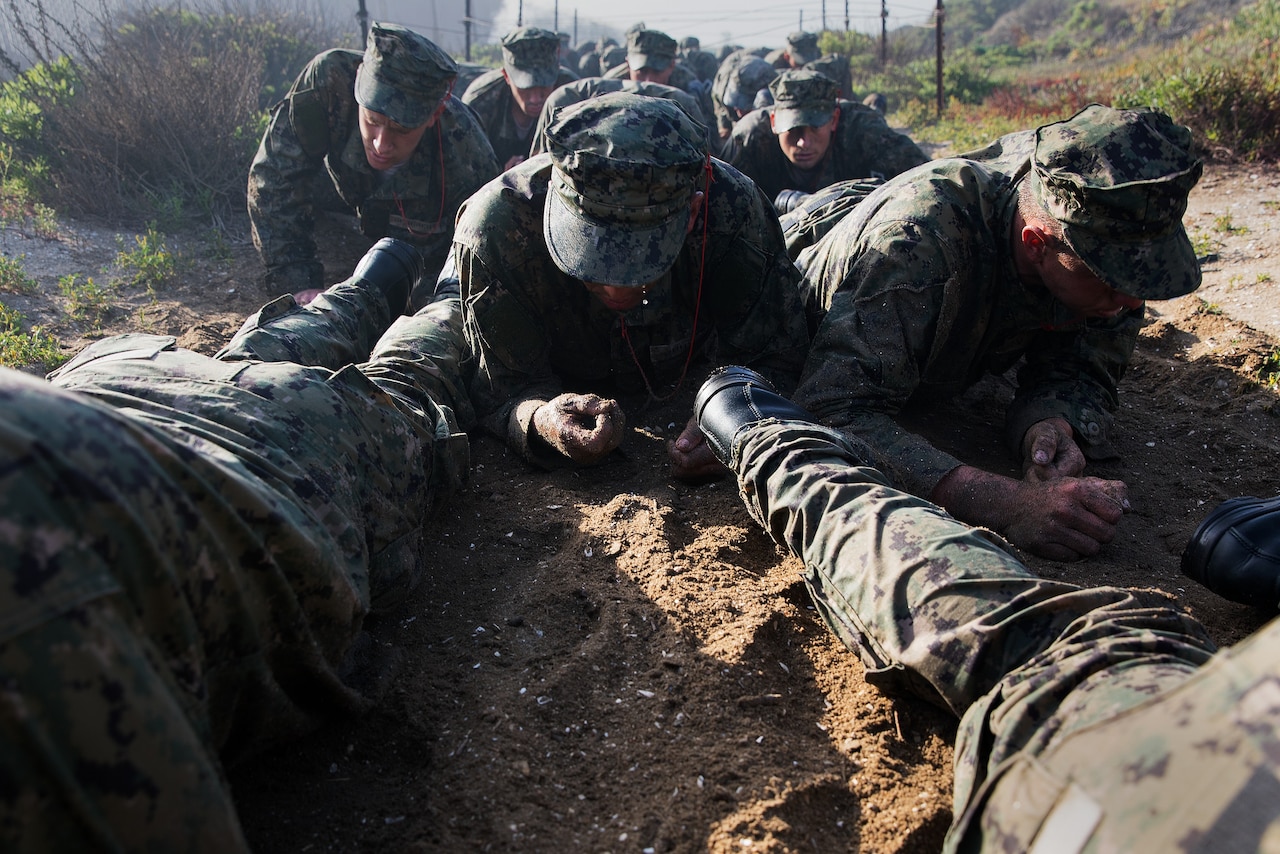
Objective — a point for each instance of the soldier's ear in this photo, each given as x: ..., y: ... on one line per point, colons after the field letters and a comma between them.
x: 1035, y: 242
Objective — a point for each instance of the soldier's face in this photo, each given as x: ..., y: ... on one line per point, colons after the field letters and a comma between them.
x: 627, y: 297
x: 805, y: 146
x: 1076, y: 287
x: 529, y: 101
x: 649, y: 75
x: 386, y: 143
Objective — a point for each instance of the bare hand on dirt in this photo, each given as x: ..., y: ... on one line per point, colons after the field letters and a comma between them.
x: 691, y: 457
x: 1067, y: 518
x: 1049, y: 451
x: 583, y: 427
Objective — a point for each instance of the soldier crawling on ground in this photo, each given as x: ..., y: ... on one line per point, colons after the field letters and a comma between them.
x: 378, y: 134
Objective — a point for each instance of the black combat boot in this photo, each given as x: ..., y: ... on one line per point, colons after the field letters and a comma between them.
x: 733, y: 398
x: 390, y: 267
x: 1236, y: 552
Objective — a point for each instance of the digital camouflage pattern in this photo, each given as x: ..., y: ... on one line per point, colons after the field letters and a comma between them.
x: 863, y: 146
x: 189, y: 546
x: 403, y: 76
x: 803, y: 47
x: 921, y: 298
x: 1090, y: 718
x: 490, y: 98
x: 733, y: 90
x: 591, y: 87
x: 625, y: 171
x: 802, y: 98
x: 1118, y: 181
x: 537, y: 332
x: 531, y: 57
x: 313, y: 140
x: 650, y: 49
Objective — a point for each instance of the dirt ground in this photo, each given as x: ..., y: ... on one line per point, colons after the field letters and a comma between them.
x: 611, y: 660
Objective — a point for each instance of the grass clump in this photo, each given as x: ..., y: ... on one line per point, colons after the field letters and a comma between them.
x: 33, y: 348
x: 14, y: 277
x: 150, y: 264
x: 87, y: 301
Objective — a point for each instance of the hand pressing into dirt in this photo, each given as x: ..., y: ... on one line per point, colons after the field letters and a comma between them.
x: 1066, y: 518
x: 1049, y: 451
x: 691, y: 457
x: 582, y: 427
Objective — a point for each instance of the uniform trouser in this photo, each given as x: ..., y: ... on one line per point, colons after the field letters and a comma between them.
x: 142, y: 606
x: 1067, y: 695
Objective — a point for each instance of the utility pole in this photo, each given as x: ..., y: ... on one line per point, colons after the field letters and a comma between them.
x: 801, y: 27
x: 846, y: 16
x: 555, y: 20
x: 520, y: 14
x: 824, y: 15
x: 362, y: 15
x: 575, y: 25
x: 938, y: 20
x: 884, y: 33
x: 466, y: 28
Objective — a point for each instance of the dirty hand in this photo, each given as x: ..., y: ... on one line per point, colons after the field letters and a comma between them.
x: 583, y: 427
x: 1049, y: 451
x: 691, y: 456
x: 1067, y: 518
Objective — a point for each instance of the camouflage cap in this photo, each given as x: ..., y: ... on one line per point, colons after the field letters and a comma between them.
x: 744, y: 81
x: 650, y: 49
x: 802, y: 47
x: 531, y: 57
x: 690, y: 43
x: 1118, y: 182
x: 802, y: 99
x: 612, y: 57
x: 625, y: 168
x: 403, y: 75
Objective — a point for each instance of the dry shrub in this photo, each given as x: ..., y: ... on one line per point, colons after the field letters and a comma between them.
x: 167, y: 105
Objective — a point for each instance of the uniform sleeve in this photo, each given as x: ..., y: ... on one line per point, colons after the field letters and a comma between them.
x: 877, y: 150
x: 872, y: 347
x: 513, y: 374
x: 760, y: 314
x: 280, y: 179
x: 1074, y: 374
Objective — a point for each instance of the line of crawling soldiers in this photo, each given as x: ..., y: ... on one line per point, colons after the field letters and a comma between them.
x: 191, y: 544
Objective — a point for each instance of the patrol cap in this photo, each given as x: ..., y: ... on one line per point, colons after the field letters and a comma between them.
x: 690, y: 43
x: 612, y: 57
x: 624, y: 170
x: 650, y: 49
x: 802, y: 47
x: 1118, y: 181
x: 531, y: 57
x: 802, y: 98
x: 744, y: 81
x: 403, y: 75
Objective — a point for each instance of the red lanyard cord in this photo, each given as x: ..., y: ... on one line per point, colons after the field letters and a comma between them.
x: 440, y: 152
x: 697, y: 303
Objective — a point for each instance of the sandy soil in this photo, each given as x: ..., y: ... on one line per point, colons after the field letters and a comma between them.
x: 611, y: 660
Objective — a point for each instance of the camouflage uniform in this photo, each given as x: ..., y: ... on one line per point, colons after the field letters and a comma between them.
x: 535, y: 328
x: 1091, y: 718
x: 734, y: 88
x: 530, y: 58
x: 863, y: 145
x: 921, y: 295
x: 657, y: 50
x: 591, y: 87
x: 315, y: 130
x: 188, y: 547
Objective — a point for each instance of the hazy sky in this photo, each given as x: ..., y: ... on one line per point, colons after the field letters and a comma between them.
x: 714, y: 22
